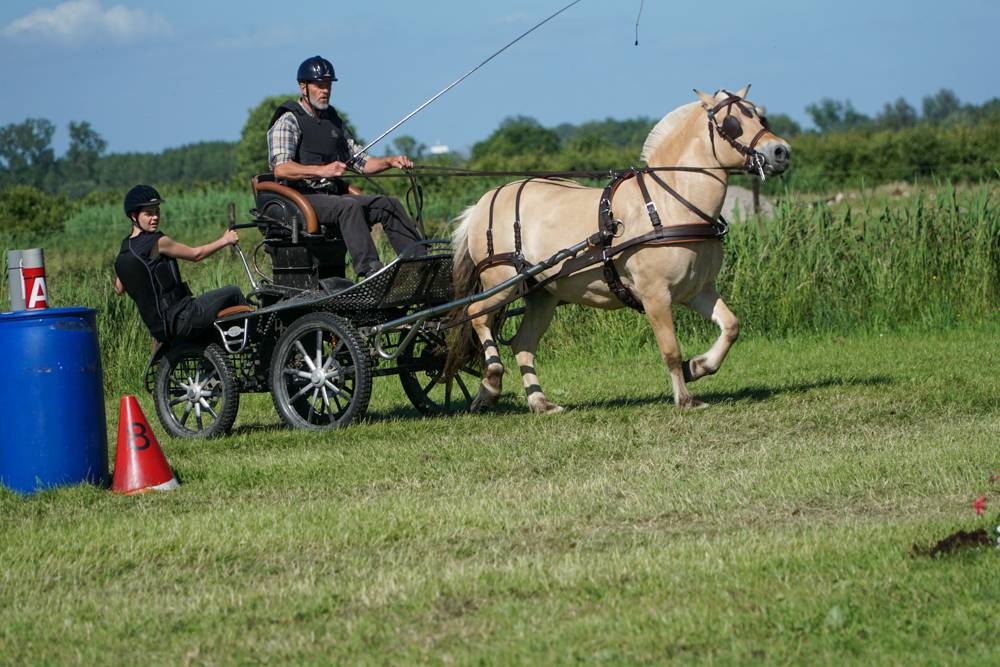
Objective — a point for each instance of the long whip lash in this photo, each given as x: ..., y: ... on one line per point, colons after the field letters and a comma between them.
x: 639, y: 16
x: 461, y: 79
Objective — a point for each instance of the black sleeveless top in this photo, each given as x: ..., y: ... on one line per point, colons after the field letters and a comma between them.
x: 324, y: 137
x: 154, y: 284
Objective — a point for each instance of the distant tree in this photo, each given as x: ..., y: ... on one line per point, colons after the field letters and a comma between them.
x: 783, y: 125
x: 79, y: 167
x: 517, y: 135
x: 251, y: 151
x: 26, y: 154
x: 896, y: 115
x: 834, y: 116
x: 409, y: 146
x: 629, y: 133
x: 941, y: 108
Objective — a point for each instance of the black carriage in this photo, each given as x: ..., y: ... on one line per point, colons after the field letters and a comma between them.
x: 315, y: 340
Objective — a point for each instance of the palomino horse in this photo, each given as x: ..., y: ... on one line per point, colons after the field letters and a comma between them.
x: 540, y: 217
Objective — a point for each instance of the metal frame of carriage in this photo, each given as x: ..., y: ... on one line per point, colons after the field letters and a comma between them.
x: 316, y: 340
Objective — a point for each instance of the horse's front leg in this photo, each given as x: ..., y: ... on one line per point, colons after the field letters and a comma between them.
x: 710, y: 305
x: 658, y: 311
x: 539, y: 307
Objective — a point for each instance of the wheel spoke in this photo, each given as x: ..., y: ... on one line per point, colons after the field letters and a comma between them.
x: 305, y: 355
x: 319, y: 348
x: 430, y: 385
x: 335, y: 389
x: 187, y: 413
x: 178, y: 401
x: 465, y: 390
x: 302, y: 392
x: 208, y: 407
x: 197, y: 416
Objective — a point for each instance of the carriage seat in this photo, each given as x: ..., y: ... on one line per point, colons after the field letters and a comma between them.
x: 283, y: 204
x: 232, y: 310
x: 298, y: 261
x: 288, y: 205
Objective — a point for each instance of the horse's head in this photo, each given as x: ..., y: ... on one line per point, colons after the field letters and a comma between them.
x: 739, y: 133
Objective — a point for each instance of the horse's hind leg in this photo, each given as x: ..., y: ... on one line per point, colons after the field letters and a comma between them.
x: 661, y: 318
x: 710, y: 305
x: 539, y: 307
x: 492, y: 384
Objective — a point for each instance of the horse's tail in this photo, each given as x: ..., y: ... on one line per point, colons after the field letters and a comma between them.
x: 463, y: 344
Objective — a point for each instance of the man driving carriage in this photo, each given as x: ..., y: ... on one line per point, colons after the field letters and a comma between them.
x: 146, y: 268
x: 309, y: 148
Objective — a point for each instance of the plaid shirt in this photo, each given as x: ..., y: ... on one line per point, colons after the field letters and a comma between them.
x: 283, y: 141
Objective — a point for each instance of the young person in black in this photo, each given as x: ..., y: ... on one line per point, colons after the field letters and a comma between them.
x: 146, y: 268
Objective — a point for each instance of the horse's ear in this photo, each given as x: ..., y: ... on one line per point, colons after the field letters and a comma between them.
x: 707, y: 101
x: 742, y: 92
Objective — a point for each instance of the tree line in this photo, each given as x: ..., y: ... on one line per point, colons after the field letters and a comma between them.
x: 945, y: 138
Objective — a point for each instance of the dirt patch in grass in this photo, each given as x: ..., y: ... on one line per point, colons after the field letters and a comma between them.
x: 957, y: 541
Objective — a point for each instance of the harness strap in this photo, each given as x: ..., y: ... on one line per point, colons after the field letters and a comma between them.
x: 489, y: 229
x: 676, y: 195
x: 654, y: 217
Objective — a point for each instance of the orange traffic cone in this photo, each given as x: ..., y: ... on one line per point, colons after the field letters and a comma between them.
x: 139, y: 462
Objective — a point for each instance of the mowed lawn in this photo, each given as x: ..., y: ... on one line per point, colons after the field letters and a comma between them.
x: 774, y: 527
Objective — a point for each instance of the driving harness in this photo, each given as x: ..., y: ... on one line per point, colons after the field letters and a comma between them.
x: 609, y: 228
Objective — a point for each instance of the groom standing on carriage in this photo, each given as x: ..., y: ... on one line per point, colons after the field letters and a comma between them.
x: 309, y: 148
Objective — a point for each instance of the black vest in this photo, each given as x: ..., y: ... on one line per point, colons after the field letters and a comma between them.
x: 154, y: 284
x: 324, y: 137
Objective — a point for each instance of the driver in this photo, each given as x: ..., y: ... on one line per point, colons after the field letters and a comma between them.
x: 146, y: 268
x: 309, y: 147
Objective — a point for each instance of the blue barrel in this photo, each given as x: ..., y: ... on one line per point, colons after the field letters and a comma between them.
x: 52, y: 430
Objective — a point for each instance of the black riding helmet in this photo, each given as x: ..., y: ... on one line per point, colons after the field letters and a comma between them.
x: 139, y: 197
x: 316, y: 68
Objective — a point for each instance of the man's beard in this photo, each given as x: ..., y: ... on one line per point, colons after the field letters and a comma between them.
x: 319, y: 106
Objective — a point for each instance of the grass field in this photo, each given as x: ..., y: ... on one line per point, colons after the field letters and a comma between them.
x: 773, y: 527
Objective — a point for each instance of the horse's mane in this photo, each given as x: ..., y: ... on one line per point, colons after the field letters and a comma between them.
x: 665, y: 127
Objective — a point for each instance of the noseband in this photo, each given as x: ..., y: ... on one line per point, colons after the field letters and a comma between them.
x: 731, y: 129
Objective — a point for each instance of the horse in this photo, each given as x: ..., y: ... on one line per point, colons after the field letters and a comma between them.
x: 689, y: 154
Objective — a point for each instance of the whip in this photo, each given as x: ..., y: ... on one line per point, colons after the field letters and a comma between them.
x: 460, y: 80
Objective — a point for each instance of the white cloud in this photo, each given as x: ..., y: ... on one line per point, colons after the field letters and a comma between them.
x: 78, y: 20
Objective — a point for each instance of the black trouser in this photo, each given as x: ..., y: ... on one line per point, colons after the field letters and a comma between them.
x: 356, y: 214
x: 200, y: 312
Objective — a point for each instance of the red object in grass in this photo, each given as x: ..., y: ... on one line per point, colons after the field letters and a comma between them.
x: 979, y: 504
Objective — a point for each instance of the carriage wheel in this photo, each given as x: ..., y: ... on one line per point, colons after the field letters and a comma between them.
x: 195, y: 392
x: 422, y: 375
x: 320, y: 376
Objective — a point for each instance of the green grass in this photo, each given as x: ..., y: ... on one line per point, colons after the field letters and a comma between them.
x: 773, y: 527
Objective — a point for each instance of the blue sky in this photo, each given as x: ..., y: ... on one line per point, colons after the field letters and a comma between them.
x: 151, y: 75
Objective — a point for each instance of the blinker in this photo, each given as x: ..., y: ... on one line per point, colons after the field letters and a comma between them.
x: 732, y: 127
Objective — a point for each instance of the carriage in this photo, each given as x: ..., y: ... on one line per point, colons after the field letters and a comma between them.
x: 315, y: 340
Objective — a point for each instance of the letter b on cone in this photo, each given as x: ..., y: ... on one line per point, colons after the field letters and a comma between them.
x: 139, y: 462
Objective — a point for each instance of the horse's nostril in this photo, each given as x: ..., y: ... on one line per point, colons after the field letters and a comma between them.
x: 780, y: 153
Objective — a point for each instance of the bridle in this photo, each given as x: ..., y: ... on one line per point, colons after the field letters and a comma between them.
x: 731, y: 129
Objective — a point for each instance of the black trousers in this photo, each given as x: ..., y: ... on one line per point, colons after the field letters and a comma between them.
x: 199, y: 313
x: 356, y: 214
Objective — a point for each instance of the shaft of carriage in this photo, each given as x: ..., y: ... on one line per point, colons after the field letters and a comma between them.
x: 420, y: 317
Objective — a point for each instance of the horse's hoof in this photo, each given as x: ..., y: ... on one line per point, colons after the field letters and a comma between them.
x: 693, y: 405
x: 545, y: 407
